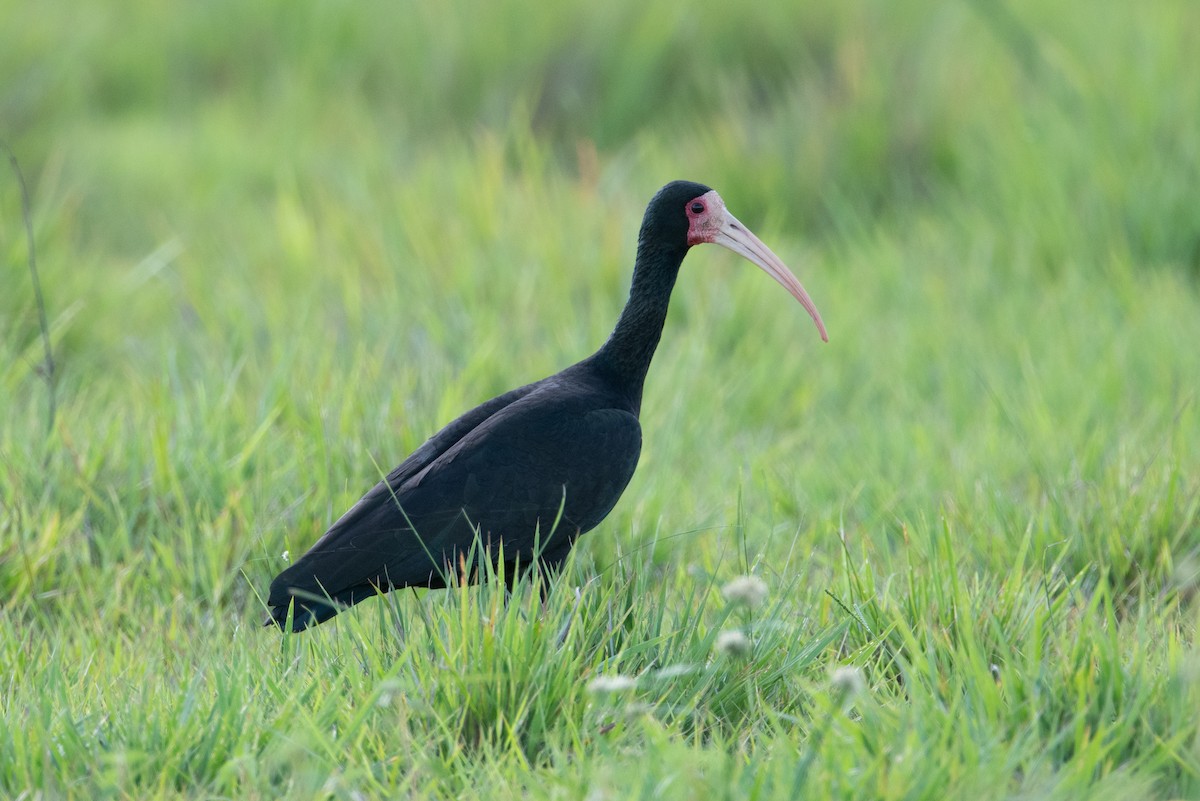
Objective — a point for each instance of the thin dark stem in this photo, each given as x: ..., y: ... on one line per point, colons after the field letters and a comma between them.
x: 48, y: 368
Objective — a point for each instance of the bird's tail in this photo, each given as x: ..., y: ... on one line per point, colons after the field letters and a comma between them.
x: 311, y: 611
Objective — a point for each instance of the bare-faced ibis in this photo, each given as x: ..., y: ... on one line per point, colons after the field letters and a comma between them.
x: 525, y: 473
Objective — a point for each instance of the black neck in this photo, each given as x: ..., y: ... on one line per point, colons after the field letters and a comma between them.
x: 627, y: 353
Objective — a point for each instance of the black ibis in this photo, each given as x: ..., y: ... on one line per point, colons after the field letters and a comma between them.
x: 525, y: 473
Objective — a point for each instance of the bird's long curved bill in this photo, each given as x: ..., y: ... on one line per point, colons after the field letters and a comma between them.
x: 738, y: 238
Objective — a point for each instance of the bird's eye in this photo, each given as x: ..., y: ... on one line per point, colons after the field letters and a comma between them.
x: 697, y: 207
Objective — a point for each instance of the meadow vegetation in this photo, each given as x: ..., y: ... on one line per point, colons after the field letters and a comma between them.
x: 281, y: 244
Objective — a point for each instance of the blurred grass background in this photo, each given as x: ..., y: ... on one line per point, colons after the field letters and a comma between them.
x: 281, y: 244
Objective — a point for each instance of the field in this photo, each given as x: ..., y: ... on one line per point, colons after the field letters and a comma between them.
x: 281, y: 244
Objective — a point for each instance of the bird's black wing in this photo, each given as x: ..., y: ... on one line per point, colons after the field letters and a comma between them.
x: 552, y: 455
x: 432, y: 448
x: 358, y: 516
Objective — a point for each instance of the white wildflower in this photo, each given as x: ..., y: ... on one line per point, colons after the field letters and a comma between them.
x: 612, y: 684
x: 675, y: 671
x: 848, y: 680
x: 733, y: 643
x: 287, y: 557
x: 748, y: 591
x: 388, y: 688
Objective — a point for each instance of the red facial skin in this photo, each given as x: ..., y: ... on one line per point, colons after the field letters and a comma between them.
x: 710, y: 222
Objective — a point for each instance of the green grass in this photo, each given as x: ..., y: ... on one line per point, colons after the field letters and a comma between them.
x: 283, y: 244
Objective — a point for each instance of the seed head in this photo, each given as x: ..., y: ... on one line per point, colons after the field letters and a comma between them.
x: 612, y: 684
x: 748, y: 591
x: 675, y: 671
x: 733, y: 643
x: 848, y: 680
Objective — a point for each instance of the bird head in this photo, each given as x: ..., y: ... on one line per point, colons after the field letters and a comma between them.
x: 693, y: 214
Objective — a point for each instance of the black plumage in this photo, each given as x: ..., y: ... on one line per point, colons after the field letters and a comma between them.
x: 533, y: 468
